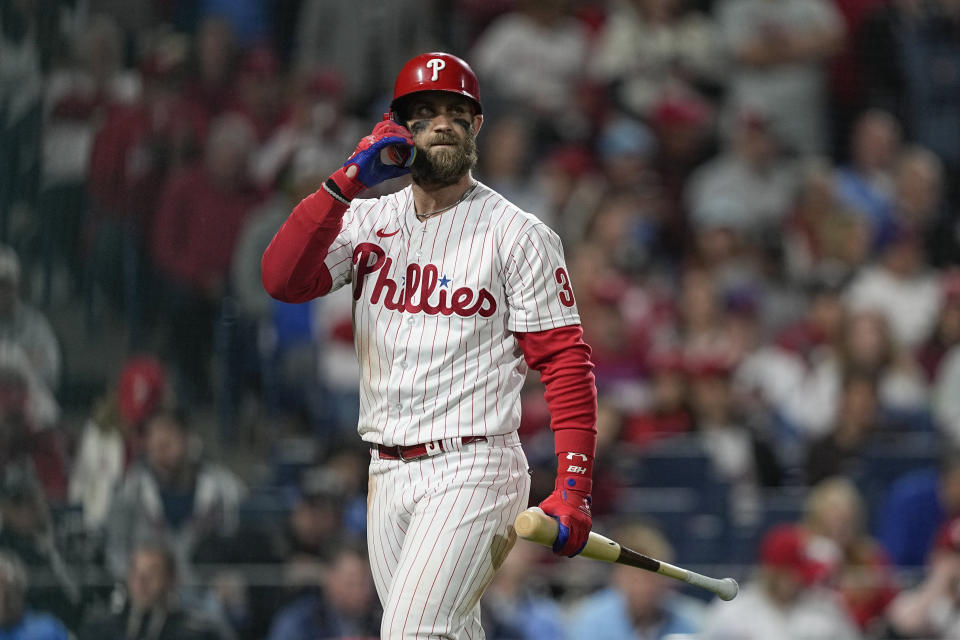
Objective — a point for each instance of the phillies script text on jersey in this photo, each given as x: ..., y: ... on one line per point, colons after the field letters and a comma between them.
x: 370, y: 258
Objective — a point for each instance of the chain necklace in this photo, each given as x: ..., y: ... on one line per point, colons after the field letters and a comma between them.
x: 423, y: 216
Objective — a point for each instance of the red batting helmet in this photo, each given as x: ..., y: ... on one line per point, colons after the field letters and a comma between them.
x: 436, y: 72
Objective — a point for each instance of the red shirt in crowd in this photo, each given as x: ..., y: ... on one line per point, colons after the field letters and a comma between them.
x: 196, y: 228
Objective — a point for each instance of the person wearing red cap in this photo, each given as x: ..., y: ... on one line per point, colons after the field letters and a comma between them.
x: 456, y: 294
x: 112, y: 434
x: 786, y: 600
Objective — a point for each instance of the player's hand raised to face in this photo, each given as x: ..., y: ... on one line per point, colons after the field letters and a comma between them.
x: 389, y: 141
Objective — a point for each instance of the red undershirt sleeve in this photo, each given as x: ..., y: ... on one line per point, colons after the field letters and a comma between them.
x: 563, y: 360
x: 292, y: 268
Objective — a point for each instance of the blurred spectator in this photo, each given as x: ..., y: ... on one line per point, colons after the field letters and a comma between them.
x: 626, y: 225
x: 932, y: 608
x: 648, y: 46
x: 770, y: 376
x: 113, y: 435
x: 918, y: 188
x: 779, y: 52
x: 750, y: 185
x: 915, y: 506
x: 636, y: 604
x: 683, y: 125
x: 198, y: 221
x: 28, y: 434
x: 78, y: 97
x: 901, y: 288
x: 209, y: 82
x: 835, y: 511
x: 880, y: 56
x: 250, y: 19
x: 505, y: 165
x: 403, y: 29
x: 304, y: 357
x: 866, y: 185
x: 171, y: 495
x: 784, y: 600
x: 343, y: 607
x: 532, y: 60
x: 27, y: 532
x: 513, y: 607
x: 921, y: 204
x: 259, y: 94
x: 823, y: 239
x: 668, y: 413
x: 135, y: 149
x: 700, y: 321
x: 136, y: 18
x: 624, y: 149
x: 570, y: 186
x: 864, y: 346
x: 24, y: 325
x: 320, y: 131
x: 17, y: 622
x: 22, y: 63
x: 608, y: 300
x: 855, y: 427
x: 734, y: 257
x: 822, y: 324
x: 932, y: 99
x: 313, y: 529
x: 946, y: 400
x: 150, y: 610
x: 946, y: 331
x: 740, y: 453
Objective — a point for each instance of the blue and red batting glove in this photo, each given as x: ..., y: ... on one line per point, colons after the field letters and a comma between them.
x: 366, y: 157
x: 569, y: 504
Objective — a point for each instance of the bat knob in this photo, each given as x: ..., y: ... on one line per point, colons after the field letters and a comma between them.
x: 729, y: 590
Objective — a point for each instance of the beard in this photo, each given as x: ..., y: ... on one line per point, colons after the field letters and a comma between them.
x: 441, y: 167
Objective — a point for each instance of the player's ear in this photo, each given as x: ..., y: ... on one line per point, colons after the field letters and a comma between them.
x: 477, y: 123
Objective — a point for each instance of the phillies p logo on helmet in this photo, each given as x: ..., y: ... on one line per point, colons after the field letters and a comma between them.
x: 436, y: 65
x: 436, y: 71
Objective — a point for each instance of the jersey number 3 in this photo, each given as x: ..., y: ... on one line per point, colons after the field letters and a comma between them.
x: 566, y: 292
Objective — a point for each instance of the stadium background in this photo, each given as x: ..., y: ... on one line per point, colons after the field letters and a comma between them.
x: 759, y: 205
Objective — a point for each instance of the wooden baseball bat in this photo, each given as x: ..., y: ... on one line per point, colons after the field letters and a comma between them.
x: 536, y: 526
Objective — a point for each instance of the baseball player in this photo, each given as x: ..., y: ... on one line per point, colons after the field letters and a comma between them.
x: 456, y: 292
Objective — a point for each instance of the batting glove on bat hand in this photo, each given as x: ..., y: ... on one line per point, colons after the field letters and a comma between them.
x: 569, y: 504
x: 367, y: 158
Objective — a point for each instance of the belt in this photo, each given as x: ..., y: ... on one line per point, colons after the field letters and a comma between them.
x: 415, y: 451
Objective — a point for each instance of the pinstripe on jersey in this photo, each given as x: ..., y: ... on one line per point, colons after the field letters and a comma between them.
x: 435, y: 305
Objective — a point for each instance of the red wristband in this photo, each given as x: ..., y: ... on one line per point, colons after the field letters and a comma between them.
x: 574, y: 471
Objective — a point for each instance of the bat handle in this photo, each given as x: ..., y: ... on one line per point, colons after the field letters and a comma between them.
x: 536, y: 526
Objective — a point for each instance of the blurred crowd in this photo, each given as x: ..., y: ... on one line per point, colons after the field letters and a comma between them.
x: 759, y: 207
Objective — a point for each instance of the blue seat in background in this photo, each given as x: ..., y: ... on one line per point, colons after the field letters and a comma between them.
x: 881, y: 464
x: 696, y: 532
x: 674, y: 462
x: 265, y: 506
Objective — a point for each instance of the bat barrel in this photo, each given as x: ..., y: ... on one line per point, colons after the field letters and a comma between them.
x: 534, y: 525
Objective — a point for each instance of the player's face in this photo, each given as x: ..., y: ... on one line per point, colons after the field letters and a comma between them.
x: 444, y: 128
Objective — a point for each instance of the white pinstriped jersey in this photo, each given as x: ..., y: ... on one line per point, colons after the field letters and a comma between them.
x: 435, y: 305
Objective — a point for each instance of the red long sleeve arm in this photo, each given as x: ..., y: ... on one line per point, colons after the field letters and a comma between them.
x: 563, y: 360
x: 292, y: 268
